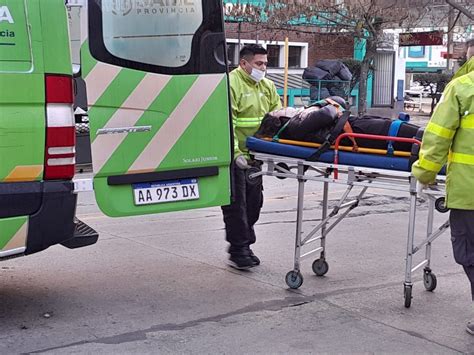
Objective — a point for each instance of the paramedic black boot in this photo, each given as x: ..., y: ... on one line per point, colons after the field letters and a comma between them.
x: 254, y: 258
x: 241, y: 260
x: 470, y: 328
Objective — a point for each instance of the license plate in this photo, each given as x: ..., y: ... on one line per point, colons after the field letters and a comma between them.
x: 165, y: 191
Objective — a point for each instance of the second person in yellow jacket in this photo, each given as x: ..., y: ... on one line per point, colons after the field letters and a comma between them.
x: 449, y: 137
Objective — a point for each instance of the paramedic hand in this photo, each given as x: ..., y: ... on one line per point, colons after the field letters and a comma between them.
x: 419, y: 189
x: 241, y: 162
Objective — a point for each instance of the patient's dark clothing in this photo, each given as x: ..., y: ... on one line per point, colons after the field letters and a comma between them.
x: 311, y: 125
x: 314, y: 125
x: 379, y: 126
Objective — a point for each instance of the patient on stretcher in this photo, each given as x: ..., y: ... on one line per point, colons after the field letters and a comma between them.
x: 318, y: 121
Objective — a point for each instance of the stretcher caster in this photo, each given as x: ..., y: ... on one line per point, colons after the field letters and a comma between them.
x: 407, y: 294
x: 320, y: 267
x: 253, y: 180
x: 284, y: 167
x: 440, y: 205
x: 429, y: 280
x: 294, y: 279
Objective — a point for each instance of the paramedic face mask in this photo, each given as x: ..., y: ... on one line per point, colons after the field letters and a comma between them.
x: 256, y: 67
x: 257, y: 74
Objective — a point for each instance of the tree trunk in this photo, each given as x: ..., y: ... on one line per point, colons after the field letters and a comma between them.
x: 364, y: 73
x: 371, y: 50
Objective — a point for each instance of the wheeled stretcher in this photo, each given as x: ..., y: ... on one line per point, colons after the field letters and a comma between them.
x: 359, y: 171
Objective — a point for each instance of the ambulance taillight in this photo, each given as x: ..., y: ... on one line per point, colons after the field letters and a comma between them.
x: 60, y: 128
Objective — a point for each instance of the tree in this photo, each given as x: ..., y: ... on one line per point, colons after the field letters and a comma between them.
x: 435, y: 83
x: 354, y: 66
x: 363, y: 20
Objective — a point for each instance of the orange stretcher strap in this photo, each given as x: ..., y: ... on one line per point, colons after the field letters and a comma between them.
x: 343, y: 148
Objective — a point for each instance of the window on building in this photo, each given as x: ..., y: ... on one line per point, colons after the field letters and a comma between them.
x: 294, y: 57
x: 416, y: 51
x: 273, y: 56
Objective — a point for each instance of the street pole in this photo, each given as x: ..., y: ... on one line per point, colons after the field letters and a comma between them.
x: 450, y: 38
x: 239, y: 29
x: 285, y: 85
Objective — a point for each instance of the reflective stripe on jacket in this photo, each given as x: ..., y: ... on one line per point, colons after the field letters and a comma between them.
x: 250, y: 102
x: 449, y: 137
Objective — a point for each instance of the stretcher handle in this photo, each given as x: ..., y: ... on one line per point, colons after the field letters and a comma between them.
x: 368, y: 136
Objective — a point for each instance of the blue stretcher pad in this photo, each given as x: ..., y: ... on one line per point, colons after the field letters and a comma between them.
x: 345, y: 158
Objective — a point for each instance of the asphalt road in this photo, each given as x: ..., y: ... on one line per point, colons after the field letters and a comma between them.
x: 160, y: 284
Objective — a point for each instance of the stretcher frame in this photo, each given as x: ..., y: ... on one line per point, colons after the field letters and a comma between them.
x: 353, y: 176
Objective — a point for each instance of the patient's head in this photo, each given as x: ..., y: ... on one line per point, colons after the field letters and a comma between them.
x: 273, y: 121
x: 339, y: 100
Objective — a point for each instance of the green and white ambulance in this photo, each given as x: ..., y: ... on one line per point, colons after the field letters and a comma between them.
x: 157, y: 97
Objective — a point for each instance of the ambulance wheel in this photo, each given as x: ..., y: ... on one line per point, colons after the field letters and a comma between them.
x: 294, y: 279
x: 429, y: 280
x: 254, y: 180
x: 407, y: 294
x: 283, y: 166
x: 320, y: 267
x: 440, y: 205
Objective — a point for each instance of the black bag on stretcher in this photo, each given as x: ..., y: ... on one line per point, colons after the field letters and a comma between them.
x: 325, y: 120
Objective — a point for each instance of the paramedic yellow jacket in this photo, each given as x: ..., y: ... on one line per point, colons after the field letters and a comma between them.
x: 250, y: 102
x: 449, y: 137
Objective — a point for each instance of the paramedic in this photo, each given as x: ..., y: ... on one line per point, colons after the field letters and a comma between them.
x: 448, y: 137
x: 252, y: 96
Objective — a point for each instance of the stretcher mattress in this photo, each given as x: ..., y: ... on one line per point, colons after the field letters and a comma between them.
x: 345, y: 158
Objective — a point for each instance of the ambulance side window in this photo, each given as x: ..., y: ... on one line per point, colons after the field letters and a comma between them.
x: 176, y: 37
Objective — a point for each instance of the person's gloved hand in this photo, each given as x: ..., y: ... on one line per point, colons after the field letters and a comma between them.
x: 419, y: 189
x: 241, y: 162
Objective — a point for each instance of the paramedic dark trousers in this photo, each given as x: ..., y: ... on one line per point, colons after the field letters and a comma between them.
x: 243, y: 212
x: 462, y: 237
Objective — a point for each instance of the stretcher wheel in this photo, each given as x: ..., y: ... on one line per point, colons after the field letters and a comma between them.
x: 429, y: 280
x: 320, y: 267
x: 255, y: 180
x: 440, y: 205
x: 294, y: 279
x: 407, y: 294
x: 283, y: 166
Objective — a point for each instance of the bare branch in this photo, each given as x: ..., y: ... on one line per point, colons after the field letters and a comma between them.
x: 461, y: 9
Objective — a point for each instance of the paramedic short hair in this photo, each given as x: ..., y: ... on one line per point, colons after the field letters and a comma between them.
x: 249, y: 50
x: 470, y: 48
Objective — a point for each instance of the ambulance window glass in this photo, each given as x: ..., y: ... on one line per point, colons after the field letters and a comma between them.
x: 151, y: 32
